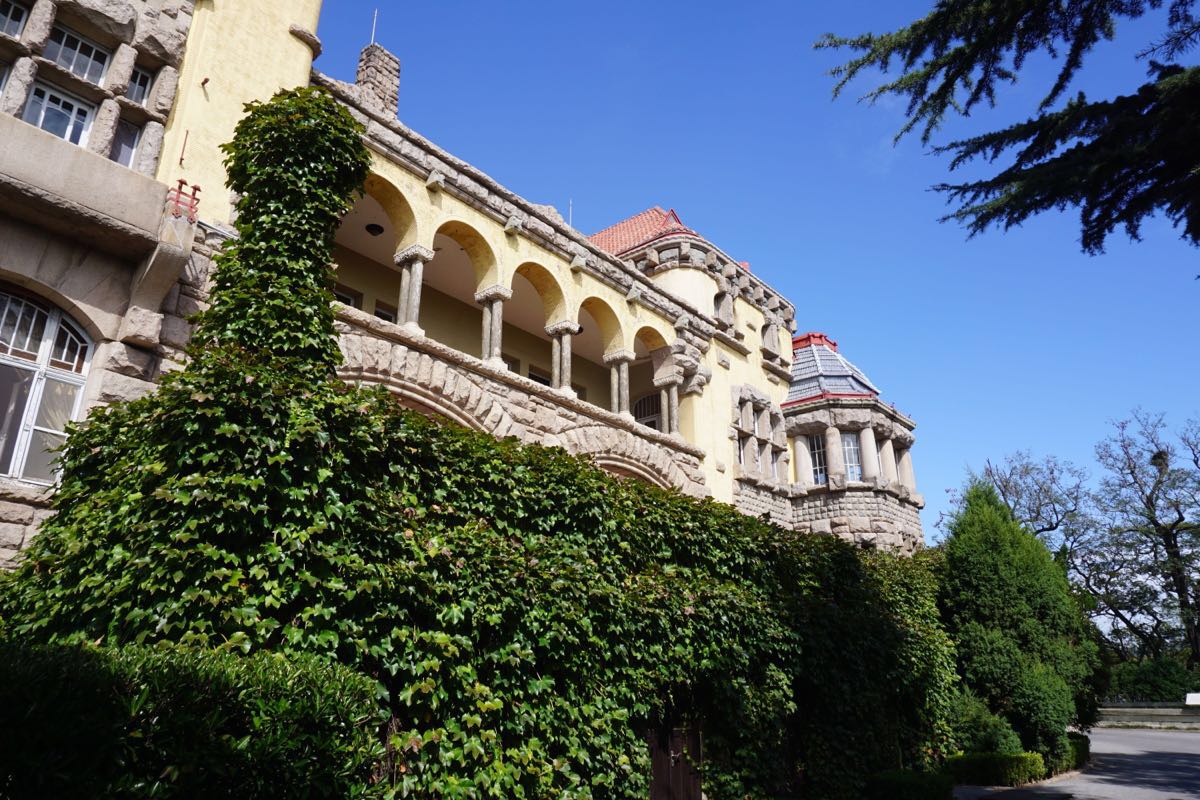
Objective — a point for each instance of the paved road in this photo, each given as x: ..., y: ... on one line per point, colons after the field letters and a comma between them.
x: 1126, y: 765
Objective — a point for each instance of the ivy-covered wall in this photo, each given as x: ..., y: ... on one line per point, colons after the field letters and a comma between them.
x: 527, y: 617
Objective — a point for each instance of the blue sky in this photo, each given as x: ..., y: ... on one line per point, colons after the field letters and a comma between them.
x: 723, y: 111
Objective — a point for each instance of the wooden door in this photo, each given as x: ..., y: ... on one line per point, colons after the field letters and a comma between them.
x: 675, y: 755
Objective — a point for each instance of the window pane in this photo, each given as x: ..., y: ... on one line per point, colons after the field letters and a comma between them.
x: 22, y: 327
x: 12, y: 18
x: 125, y: 143
x: 33, y: 109
x: 139, y: 86
x: 70, y: 350
x: 58, y: 403
x: 39, y: 462
x: 852, y: 456
x: 15, y: 384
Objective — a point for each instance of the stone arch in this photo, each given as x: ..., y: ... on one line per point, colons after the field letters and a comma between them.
x: 420, y: 379
x: 396, y: 207
x: 478, y: 251
x: 649, y: 341
x: 612, y: 337
x: 548, y: 288
x: 95, y: 330
x: 622, y: 452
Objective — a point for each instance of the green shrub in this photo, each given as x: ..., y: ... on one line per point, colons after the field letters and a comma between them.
x: 996, y: 769
x: 1158, y: 680
x: 140, y: 722
x: 1081, y: 750
x: 906, y: 785
x: 1024, y: 645
x: 977, y: 730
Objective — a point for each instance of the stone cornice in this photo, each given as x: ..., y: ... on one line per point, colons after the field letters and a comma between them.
x: 874, y: 404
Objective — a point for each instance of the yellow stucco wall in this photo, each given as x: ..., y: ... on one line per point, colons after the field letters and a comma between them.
x: 698, y: 288
x: 245, y: 52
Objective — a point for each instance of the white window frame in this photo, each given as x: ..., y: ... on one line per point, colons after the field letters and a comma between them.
x: 816, y: 451
x: 852, y: 456
x: 7, y: 7
x: 138, y: 72
x: 137, y: 141
x: 42, y: 369
x: 71, y: 64
x: 62, y: 96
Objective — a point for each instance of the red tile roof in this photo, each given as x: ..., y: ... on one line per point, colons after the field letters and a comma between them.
x: 651, y: 224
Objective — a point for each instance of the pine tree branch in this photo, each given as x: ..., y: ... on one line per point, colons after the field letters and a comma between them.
x: 1118, y: 161
x: 955, y: 57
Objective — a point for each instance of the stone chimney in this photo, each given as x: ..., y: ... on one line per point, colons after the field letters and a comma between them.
x: 378, y: 79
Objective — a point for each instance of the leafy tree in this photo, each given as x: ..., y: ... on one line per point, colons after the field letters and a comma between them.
x: 1143, y: 562
x: 1132, y: 544
x: 1024, y: 645
x: 1118, y: 160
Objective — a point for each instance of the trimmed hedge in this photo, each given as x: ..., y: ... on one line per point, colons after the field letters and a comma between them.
x: 996, y: 769
x: 906, y: 785
x: 1081, y: 749
x: 138, y: 722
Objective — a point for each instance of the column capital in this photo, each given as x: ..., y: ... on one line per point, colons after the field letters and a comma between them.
x: 673, y: 379
x: 413, y: 252
x: 618, y: 357
x: 555, y: 329
x: 493, y: 292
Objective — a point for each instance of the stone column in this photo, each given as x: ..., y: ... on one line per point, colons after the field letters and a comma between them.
x: 560, y: 354
x: 868, y: 455
x: 803, y: 461
x: 492, y: 299
x: 104, y: 128
x: 624, y: 377
x: 673, y: 408
x: 411, y: 263
x: 905, y: 469
x: 887, y: 462
x: 618, y: 372
x: 16, y: 91
x: 835, y: 462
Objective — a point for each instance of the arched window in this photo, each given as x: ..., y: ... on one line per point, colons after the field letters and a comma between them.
x: 43, y: 360
x: 648, y: 411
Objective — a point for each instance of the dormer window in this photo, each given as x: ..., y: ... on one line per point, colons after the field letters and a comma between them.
x: 12, y: 18
x: 77, y: 55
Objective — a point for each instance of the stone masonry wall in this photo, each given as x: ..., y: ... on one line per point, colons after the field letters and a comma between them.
x: 865, y: 516
x: 149, y: 34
